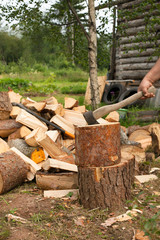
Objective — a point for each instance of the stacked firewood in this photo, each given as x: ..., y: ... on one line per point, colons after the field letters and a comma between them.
x: 31, y: 149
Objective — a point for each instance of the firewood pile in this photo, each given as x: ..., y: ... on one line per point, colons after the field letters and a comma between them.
x: 31, y: 149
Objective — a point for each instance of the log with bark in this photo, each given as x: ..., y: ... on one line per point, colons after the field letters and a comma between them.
x: 106, y: 187
x: 5, y: 106
x: 13, y: 171
x: 8, y: 126
x: 57, y: 181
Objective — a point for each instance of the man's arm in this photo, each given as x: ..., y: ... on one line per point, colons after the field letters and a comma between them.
x: 152, y: 76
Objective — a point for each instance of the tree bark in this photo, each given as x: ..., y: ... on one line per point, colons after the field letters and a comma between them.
x: 13, y: 171
x: 98, y: 145
x: 92, y: 45
x: 106, y: 187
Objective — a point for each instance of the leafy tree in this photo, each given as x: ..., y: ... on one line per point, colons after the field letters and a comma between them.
x: 11, y: 48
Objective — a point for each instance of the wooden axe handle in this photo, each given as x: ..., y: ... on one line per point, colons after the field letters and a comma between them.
x: 102, y: 111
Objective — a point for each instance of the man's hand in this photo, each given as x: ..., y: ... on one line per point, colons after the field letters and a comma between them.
x: 144, y: 86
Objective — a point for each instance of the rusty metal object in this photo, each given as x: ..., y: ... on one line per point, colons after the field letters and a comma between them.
x: 98, y: 145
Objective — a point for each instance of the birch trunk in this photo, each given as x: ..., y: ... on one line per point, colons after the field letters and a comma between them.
x: 92, y: 44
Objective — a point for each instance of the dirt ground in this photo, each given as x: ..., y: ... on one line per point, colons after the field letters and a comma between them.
x: 48, y: 218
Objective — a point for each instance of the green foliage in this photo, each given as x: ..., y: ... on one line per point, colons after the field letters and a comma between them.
x: 76, y: 89
x: 14, y: 84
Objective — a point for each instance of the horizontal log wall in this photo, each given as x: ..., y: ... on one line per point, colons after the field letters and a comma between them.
x: 132, y: 63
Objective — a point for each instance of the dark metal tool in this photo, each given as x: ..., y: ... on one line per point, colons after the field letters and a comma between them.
x: 91, y: 117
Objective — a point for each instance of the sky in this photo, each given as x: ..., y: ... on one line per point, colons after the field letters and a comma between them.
x: 100, y: 13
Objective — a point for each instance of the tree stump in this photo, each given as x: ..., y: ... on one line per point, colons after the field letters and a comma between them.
x: 106, y: 187
x: 104, y: 176
x: 98, y: 145
x: 13, y: 171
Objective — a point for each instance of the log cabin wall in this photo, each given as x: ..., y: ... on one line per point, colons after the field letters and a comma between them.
x: 130, y: 62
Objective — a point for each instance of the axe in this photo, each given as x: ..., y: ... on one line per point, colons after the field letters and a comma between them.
x: 91, y: 117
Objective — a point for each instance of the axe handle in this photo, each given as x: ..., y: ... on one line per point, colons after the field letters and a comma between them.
x: 102, y: 111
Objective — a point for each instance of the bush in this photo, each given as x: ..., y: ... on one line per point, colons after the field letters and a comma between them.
x: 14, y: 84
x: 76, y: 89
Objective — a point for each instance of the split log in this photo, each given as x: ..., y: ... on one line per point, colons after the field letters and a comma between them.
x: 70, y: 102
x: 13, y: 171
x: 63, y: 123
x: 60, y: 193
x: 5, y: 106
x: 141, y: 136
x: 106, y: 187
x: 101, y: 83
x: 3, y: 146
x: 112, y: 117
x: 36, y: 106
x: 19, y: 133
x: 75, y: 118
x: 98, y: 145
x: 154, y: 130
x: 8, y: 126
x: 51, y: 100
x: 57, y: 181
x: 53, y: 134
x: 32, y: 165
x: 14, y: 97
x: 27, y: 100
x: 52, y: 148
x: 80, y: 109
x: 30, y: 121
x: 14, y: 112
x: 31, y: 138
x: 54, y: 163
x: 55, y: 109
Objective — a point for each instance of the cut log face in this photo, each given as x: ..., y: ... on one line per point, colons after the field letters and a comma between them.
x: 8, y: 126
x: 70, y: 102
x: 142, y: 136
x: 13, y: 171
x: 5, y: 106
x: 20, y: 133
x: 57, y: 181
x: 98, y: 145
x: 30, y: 121
x: 106, y: 187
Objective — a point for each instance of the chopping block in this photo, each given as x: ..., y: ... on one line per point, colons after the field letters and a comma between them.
x: 105, y: 176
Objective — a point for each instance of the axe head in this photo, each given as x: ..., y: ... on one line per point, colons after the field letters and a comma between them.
x: 90, y: 118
